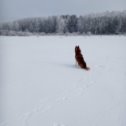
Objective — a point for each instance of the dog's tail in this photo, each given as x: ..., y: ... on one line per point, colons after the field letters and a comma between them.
x: 87, y: 68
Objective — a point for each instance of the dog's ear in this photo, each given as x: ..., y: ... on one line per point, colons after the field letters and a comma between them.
x: 75, y: 47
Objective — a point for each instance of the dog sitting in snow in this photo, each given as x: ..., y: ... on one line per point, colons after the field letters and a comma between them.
x: 79, y: 58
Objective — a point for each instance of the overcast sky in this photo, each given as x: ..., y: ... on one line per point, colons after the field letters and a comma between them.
x: 16, y: 9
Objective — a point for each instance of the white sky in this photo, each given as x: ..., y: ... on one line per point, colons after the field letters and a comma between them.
x: 17, y: 9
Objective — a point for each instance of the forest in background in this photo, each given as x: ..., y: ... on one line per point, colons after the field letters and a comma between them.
x: 106, y: 23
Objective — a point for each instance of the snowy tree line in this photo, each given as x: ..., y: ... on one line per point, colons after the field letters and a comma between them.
x: 105, y: 23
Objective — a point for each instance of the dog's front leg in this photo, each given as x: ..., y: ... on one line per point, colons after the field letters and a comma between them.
x: 76, y: 64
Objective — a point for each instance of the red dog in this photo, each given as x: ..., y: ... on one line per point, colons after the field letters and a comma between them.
x: 79, y: 58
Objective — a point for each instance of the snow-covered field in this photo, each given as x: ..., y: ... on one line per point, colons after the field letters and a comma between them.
x: 40, y: 85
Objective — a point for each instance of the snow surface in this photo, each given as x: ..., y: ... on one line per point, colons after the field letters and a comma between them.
x: 40, y: 85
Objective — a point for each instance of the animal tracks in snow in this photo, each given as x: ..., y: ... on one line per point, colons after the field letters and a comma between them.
x: 46, y: 105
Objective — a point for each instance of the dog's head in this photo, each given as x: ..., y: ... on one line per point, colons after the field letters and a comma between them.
x: 77, y: 49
